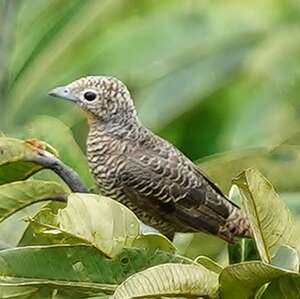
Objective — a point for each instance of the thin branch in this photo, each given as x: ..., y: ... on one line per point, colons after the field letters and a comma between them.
x: 68, y: 175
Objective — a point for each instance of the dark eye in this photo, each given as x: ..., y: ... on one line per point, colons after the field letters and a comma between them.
x: 90, y: 96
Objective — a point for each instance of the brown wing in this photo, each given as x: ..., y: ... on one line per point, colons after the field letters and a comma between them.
x: 170, y: 186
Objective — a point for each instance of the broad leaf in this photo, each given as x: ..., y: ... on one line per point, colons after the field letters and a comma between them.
x: 17, y: 292
x: 21, y: 200
x: 75, y: 266
x: 43, y: 227
x: 44, y: 292
x: 191, y: 245
x: 13, y: 227
x: 14, y: 156
x: 172, y: 280
x: 271, y: 226
x: 209, y: 264
x: 99, y: 297
x: 39, y: 233
x: 295, y: 239
x: 292, y: 201
x: 242, y: 250
x: 287, y: 286
x: 286, y: 258
x: 101, y: 221
x: 87, y: 288
x: 153, y: 242
x: 241, y: 281
x: 281, y: 165
x: 18, y: 195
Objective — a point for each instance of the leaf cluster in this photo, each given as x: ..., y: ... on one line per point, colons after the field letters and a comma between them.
x: 91, y: 246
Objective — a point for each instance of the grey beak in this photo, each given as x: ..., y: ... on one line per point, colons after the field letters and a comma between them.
x: 62, y: 92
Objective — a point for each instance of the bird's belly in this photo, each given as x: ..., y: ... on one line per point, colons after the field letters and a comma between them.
x: 105, y: 169
x: 109, y: 187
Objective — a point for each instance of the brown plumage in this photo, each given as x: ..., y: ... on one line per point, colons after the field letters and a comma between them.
x: 143, y: 171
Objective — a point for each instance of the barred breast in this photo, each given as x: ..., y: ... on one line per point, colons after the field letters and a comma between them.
x: 107, y: 157
x: 159, y: 184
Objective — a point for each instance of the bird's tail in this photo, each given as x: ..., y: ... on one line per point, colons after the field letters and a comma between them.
x: 237, y: 225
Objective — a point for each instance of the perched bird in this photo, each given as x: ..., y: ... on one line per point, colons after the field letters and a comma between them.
x: 146, y: 173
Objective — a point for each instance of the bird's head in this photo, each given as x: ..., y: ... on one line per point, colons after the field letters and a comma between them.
x: 102, y: 98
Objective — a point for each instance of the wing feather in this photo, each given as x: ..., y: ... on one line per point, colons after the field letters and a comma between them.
x: 171, y: 188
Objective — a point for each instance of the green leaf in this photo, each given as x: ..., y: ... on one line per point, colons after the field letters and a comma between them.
x: 280, y: 164
x: 242, y: 250
x: 75, y: 266
x: 62, y: 139
x: 295, y: 239
x: 64, y: 293
x: 21, y: 200
x: 14, y: 156
x: 153, y: 242
x: 172, y: 280
x: 72, y: 267
x: 17, y: 292
x: 209, y: 264
x: 101, y: 221
x: 286, y: 258
x: 99, y: 297
x: 72, y: 23
x: 199, y: 69
x: 13, y: 227
x: 81, y: 287
x: 287, y: 286
x: 191, y: 245
x: 292, y: 201
x: 241, y: 281
x: 271, y: 226
x: 18, y: 195
x: 44, y: 234
x: 43, y: 228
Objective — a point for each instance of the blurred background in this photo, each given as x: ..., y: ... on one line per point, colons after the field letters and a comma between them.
x: 219, y: 79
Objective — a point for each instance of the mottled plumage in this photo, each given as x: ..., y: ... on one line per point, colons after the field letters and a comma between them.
x: 143, y: 171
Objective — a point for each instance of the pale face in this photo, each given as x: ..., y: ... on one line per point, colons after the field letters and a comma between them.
x: 99, y: 96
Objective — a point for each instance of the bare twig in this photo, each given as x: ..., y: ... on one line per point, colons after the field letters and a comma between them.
x: 68, y: 175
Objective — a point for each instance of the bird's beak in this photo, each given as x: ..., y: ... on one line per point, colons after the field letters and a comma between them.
x: 62, y: 92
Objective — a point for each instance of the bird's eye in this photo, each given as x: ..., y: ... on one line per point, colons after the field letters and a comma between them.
x: 90, y: 96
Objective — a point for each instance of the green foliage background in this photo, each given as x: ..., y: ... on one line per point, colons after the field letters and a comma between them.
x: 210, y: 76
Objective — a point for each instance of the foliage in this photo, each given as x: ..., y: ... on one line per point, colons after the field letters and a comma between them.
x: 93, y: 246
x: 229, y: 71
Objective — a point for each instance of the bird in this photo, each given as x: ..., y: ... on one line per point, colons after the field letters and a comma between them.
x: 146, y: 173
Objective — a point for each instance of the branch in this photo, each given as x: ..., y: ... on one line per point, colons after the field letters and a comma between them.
x: 66, y: 173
